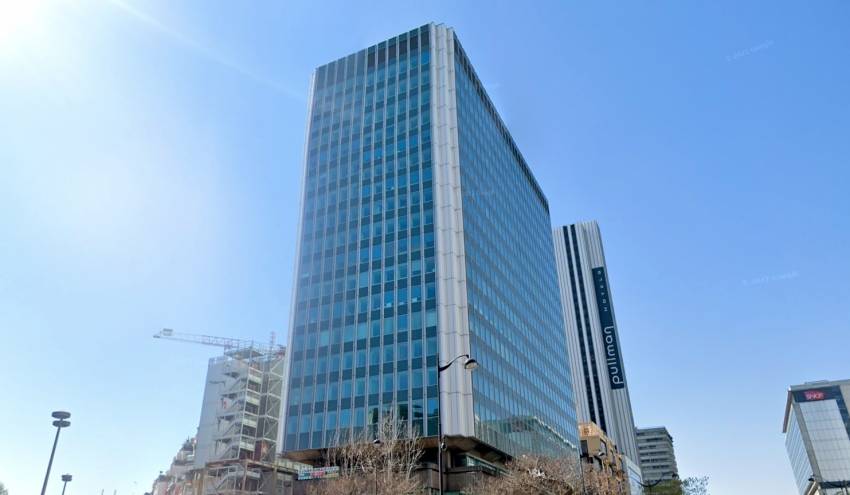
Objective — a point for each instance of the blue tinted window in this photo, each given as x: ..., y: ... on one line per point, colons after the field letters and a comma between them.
x: 364, y: 220
x: 522, y: 397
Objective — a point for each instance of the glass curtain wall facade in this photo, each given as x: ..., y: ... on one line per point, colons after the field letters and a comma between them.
x: 364, y: 337
x: 522, y: 393
x: 817, y: 436
x: 422, y: 232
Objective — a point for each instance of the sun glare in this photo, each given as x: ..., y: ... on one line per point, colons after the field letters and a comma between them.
x: 18, y: 17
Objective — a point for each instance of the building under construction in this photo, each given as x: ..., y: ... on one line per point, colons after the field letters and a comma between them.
x: 235, y: 450
x: 178, y: 479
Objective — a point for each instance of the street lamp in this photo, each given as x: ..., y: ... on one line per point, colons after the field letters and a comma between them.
x: 601, y: 456
x: 673, y: 476
x: 813, y: 481
x: 377, y: 443
x: 65, y: 478
x: 845, y: 484
x: 590, y: 458
x: 581, y: 458
x: 469, y: 364
x: 61, y: 422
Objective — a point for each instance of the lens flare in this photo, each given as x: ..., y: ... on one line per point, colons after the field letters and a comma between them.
x: 18, y: 17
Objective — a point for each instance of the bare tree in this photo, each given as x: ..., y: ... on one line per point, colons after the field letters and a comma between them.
x: 695, y: 486
x: 687, y: 486
x: 597, y: 481
x: 381, y: 460
x: 539, y: 475
x: 3, y: 490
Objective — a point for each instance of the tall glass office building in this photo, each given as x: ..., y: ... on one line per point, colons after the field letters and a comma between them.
x: 423, y: 236
x: 817, y: 436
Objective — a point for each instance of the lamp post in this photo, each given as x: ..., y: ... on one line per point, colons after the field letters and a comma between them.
x: 65, y: 478
x: 468, y: 364
x: 605, y: 469
x: 377, y: 443
x: 581, y: 458
x: 673, y: 476
x: 61, y: 422
x: 814, y: 480
x: 844, y: 484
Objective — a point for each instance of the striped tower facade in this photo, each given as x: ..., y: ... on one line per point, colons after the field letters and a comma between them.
x: 595, y: 356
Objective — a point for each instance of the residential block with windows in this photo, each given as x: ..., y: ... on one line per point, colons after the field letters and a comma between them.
x: 657, y: 458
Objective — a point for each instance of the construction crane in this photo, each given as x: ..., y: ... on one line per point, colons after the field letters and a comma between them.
x: 226, y: 342
x: 243, y: 399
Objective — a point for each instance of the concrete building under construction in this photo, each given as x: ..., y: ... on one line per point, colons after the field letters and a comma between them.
x: 240, y: 421
x: 177, y: 480
x: 235, y: 449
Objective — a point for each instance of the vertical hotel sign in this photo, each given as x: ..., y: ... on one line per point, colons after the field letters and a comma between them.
x: 609, y: 332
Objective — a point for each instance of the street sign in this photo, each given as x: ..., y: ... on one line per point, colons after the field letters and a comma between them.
x: 319, y: 473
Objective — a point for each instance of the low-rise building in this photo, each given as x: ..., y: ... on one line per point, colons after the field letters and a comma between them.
x: 600, y: 453
x: 178, y: 479
x: 657, y: 457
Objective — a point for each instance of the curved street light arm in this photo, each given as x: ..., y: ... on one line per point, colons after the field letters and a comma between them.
x: 444, y: 367
x: 674, y: 476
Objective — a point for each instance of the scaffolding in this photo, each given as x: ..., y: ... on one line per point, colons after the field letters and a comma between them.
x: 240, y: 418
x: 244, y: 442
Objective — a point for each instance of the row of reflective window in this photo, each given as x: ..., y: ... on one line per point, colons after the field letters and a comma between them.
x: 522, y: 396
x: 365, y: 337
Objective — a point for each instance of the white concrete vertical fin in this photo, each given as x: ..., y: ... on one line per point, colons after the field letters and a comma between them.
x: 569, y: 312
x: 284, y: 413
x: 453, y: 320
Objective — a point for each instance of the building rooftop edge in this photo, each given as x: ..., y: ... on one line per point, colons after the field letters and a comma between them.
x: 819, y: 383
x: 376, y: 44
x: 527, y: 168
x: 488, y: 102
x: 580, y: 222
x: 804, y: 386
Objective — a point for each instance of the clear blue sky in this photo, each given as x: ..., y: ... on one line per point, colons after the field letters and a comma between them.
x: 150, y: 173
